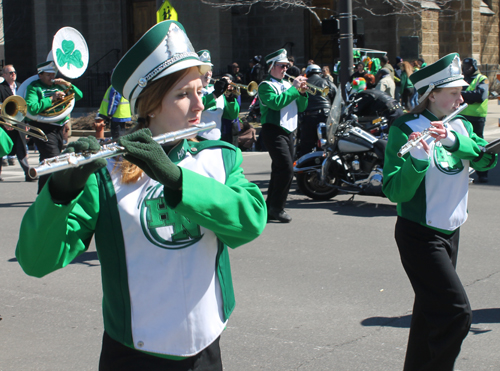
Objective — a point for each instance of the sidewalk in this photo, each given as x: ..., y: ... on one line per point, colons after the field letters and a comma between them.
x: 491, y: 129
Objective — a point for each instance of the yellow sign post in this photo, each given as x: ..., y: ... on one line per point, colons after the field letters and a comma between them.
x: 166, y: 13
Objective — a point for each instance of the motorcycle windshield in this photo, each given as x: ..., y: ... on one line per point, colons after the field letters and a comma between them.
x: 332, y: 122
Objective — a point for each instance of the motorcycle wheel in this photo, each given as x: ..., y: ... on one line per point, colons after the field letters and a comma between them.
x: 309, y: 184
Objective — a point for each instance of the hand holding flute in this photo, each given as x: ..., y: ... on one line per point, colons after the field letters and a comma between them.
x: 437, y: 130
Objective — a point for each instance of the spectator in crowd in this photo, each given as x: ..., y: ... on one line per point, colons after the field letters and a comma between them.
x: 384, y: 63
x: 326, y: 74
x: 385, y: 82
x: 476, y: 96
x: 293, y: 70
x: 237, y: 75
x: 359, y: 72
x: 370, y: 81
x: 115, y: 110
x: 256, y: 71
x: 8, y: 88
x: 408, y: 93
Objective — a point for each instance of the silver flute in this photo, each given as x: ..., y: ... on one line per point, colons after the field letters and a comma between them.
x: 72, y: 159
x: 427, y: 132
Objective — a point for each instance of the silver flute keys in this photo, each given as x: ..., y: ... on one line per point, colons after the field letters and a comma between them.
x: 427, y: 132
x: 69, y: 160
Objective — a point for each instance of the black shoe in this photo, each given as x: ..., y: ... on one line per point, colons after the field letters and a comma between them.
x: 280, y: 216
x: 5, y: 162
x: 27, y: 178
x: 11, y: 161
x: 1, y: 179
x: 482, y: 179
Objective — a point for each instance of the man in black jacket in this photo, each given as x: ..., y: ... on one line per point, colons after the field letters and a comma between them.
x: 317, y: 109
x: 7, y: 88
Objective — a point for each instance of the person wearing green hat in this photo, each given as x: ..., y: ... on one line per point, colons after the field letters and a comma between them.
x: 430, y: 186
x: 163, y: 217
x: 280, y: 104
x: 41, y: 94
x: 223, y: 106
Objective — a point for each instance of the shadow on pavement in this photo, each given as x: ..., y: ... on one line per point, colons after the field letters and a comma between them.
x: 479, y: 316
x: 87, y: 258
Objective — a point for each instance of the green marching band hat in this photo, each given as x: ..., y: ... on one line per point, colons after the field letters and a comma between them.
x: 48, y: 66
x: 161, y: 51
x: 278, y: 56
x: 445, y: 73
x: 204, y: 56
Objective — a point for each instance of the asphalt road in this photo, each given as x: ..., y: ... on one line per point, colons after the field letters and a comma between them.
x: 325, y: 292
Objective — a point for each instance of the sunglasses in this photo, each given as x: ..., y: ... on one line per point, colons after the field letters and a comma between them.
x: 12, y: 73
x: 281, y: 66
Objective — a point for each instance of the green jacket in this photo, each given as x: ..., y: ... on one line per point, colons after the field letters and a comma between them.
x: 422, y: 189
x: 38, y: 98
x: 216, y: 208
x: 272, y: 102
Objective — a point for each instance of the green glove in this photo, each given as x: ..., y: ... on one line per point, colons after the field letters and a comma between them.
x: 150, y: 156
x: 65, y: 185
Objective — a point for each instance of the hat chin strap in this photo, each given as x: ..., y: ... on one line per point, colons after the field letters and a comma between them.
x: 427, y: 92
x: 270, y: 68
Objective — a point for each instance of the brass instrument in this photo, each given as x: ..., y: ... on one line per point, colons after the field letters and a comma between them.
x: 71, y: 160
x: 14, y: 110
x: 427, y: 132
x: 68, y: 96
x: 313, y: 89
x: 251, y: 88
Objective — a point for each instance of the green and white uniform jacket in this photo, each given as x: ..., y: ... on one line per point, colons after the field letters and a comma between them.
x: 433, y: 192
x: 280, y: 103
x: 164, y: 259
x: 216, y: 110
x: 38, y: 98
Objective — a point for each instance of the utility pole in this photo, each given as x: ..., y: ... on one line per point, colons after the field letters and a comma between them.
x: 346, y: 41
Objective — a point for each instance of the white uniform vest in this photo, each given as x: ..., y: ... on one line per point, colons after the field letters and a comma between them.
x: 194, y: 319
x: 288, y: 114
x: 213, y: 114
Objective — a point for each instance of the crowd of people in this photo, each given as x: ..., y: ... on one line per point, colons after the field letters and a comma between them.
x: 161, y: 210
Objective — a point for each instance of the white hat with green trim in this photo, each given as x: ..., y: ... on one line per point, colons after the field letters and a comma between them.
x: 48, y: 66
x: 161, y: 51
x: 204, y: 56
x: 445, y: 73
x: 277, y: 56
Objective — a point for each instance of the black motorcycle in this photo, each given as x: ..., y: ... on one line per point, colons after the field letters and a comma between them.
x: 350, y: 161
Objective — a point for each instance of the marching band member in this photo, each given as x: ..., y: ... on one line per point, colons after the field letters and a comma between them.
x: 162, y: 217
x: 40, y: 95
x: 280, y: 104
x: 430, y: 186
x: 221, y: 106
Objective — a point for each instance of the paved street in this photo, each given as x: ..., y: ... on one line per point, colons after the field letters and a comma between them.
x: 325, y: 292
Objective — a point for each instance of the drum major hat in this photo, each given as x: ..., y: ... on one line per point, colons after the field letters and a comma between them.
x: 47, y: 66
x: 445, y: 73
x: 204, y: 56
x: 161, y: 51
x: 277, y: 57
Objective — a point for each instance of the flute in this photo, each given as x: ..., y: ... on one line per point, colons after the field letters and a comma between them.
x: 72, y: 159
x: 427, y: 132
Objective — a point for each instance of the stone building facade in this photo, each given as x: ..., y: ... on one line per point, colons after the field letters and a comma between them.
x: 110, y: 27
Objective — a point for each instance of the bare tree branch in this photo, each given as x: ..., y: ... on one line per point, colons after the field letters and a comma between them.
x: 401, y: 7
x: 270, y: 4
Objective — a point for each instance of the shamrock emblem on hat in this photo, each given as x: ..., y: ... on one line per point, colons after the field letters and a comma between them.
x: 69, y: 55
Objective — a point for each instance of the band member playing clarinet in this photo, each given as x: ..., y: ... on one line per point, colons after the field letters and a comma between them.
x: 40, y: 95
x: 430, y: 186
x: 163, y: 217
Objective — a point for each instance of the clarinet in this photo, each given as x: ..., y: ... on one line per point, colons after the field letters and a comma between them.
x: 71, y: 160
x: 427, y: 132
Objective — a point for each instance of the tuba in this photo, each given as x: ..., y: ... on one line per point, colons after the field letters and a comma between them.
x: 70, y: 54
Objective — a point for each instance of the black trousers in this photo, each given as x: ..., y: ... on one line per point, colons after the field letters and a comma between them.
x: 441, y: 312
x: 117, y: 129
x: 279, y: 144
x: 478, y: 124
x: 118, y: 357
x: 51, y: 148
